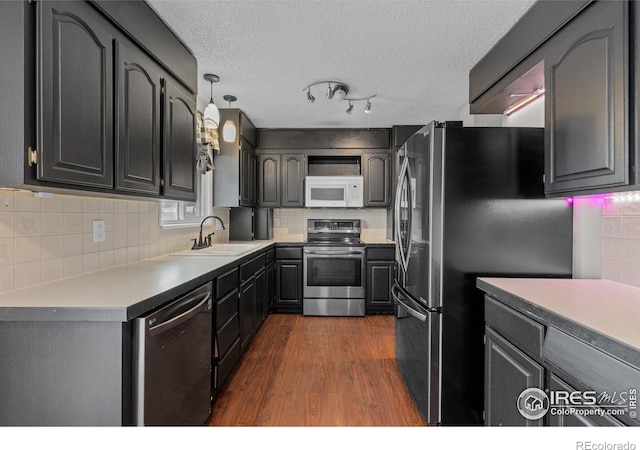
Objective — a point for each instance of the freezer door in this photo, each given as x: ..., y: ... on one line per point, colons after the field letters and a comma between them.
x: 418, y: 352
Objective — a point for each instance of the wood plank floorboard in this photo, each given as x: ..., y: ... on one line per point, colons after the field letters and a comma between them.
x: 317, y: 371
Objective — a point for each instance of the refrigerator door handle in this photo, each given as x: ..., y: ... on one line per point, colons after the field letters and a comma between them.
x: 412, y: 310
x: 398, y: 206
x: 409, y: 215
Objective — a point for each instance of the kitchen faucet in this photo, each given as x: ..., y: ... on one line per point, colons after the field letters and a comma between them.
x: 206, y: 242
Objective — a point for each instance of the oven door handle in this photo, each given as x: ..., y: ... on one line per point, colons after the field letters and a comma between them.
x: 354, y: 254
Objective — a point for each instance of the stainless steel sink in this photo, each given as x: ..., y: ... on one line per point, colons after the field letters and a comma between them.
x: 220, y: 250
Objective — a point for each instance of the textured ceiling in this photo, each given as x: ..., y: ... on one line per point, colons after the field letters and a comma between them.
x: 415, y: 56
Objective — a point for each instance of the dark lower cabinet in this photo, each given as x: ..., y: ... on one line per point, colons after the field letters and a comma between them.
x: 247, y: 311
x: 569, y: 417
x: 380, y: 275
x: 269, y: 290
x: 226, y: 340
x: 508, y: 372
x: 75, y: 136
x: 138, y: 99
x: 288, y: 268
x: 261, y: 293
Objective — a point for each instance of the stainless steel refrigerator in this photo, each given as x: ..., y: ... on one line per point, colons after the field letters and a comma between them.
x: 469, y: 203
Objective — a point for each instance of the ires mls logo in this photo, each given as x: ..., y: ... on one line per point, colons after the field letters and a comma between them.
x: 533, y: 403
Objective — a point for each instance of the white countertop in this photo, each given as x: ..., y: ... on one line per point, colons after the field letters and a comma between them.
x: 114, y: 294
x: 579, y: 306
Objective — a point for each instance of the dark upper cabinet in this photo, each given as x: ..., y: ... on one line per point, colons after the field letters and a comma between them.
x: 89, y: 115
x: 179, y: 149
x: 269, y: 181
x: 75, y: 136
x: 248, y: 174
x: 138, y: 99
x: 587, y: 111
x: 235, y: 177
x: 376, y: 171
x: 281, y: 180
x: 292, y: 185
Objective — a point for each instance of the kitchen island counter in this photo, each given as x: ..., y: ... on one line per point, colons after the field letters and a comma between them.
x: 120, y: 293
x: 602, y: 313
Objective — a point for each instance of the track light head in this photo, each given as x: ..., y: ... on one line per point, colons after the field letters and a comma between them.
x: 310, y: 96
x: 367, y: 109
x: 350, y: 108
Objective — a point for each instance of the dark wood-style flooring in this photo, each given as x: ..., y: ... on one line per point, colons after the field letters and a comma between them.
x: 317, y: 371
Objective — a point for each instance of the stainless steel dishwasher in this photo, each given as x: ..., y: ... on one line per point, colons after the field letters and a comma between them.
x: 172, y: 362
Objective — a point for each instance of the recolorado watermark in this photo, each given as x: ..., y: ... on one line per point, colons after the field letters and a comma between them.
x: 534, y: 403
x: 590, y: 445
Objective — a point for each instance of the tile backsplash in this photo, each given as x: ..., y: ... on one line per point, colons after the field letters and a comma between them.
x: 621, y: 240
x: 45, y: 239
x: 293, y: 222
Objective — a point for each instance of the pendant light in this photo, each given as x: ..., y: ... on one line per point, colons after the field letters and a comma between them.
x: 229, y: 130
x: 211, y: 114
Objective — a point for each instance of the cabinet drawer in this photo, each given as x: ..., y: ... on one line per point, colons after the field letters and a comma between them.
x: 226, y: 307
x: 381, y: 254
x: 226, y: 364
x: 228, y: 333
x: 590, y: 367
x: 271, y: 255
x: 289, y: 253
x: 527, y: 334
x: 226, y: 282
x: 252, y: 266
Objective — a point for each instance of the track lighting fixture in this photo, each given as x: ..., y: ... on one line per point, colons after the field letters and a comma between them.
x: 211, y: 114
x: 229, y: 130
x: 338, y: 90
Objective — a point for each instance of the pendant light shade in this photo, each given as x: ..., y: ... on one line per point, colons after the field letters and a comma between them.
x: 211, y: 116
x: 229, y: 130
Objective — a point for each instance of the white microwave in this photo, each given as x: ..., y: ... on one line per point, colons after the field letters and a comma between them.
x: 334, y: 192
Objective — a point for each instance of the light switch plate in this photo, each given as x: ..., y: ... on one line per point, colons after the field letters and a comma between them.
x: 98, y: 231
x: 276, y: 222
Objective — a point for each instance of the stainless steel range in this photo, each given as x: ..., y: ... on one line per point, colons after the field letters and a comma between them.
x: 333, y: 266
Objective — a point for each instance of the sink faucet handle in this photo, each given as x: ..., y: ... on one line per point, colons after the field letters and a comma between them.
x: 195, y: 243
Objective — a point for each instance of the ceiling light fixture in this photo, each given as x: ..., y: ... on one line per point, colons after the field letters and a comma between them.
x: 211, y: 114
x: 339, y: 91
x: 229, y: 130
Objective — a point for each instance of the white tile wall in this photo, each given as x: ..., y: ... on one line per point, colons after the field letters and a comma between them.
x: 621, y: 240
x: 293, y: 222
x: 45, y: 239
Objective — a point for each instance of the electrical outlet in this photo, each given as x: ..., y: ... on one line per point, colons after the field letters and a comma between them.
x: 98, y: 231
x: 276, y: 222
